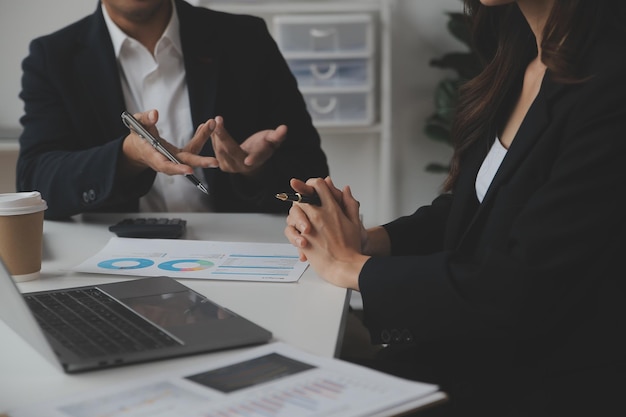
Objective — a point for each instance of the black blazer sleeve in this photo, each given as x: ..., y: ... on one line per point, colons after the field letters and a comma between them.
x: 72, y: 134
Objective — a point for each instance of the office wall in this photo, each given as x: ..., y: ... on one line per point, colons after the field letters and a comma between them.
x: 419, y: 34
x: 20, y: 21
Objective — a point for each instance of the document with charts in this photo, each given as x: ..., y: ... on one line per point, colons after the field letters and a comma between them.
x: 175, y: 258
x: 273, y: 380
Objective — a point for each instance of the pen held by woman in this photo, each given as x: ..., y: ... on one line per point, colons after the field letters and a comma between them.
x: 300, y: 198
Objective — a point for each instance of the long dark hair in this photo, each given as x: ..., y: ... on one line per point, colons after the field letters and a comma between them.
x: 505, y: 43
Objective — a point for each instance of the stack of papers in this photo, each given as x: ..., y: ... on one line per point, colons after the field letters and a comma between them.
x: 273, y: 380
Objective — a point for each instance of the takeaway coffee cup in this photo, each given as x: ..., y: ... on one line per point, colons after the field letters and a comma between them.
x: 21, y: 233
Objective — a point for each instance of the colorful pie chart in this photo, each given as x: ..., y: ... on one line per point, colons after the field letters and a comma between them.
x: 185, y: 265
x: 126, y: 263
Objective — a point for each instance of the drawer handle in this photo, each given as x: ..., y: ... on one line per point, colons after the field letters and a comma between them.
x: 322, y: 33
x: 323, y: 75
x: 324, y: 109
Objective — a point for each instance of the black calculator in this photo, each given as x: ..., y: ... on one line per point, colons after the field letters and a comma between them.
x: 156, y: 228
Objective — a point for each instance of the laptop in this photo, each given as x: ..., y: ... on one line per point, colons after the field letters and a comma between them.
x: 114, y: 324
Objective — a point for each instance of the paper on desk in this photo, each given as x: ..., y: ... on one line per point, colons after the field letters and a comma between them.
x: 239, y: 261
x: 274, y: 380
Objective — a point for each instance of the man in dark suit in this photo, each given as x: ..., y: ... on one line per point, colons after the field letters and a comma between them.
x: 220, y: 73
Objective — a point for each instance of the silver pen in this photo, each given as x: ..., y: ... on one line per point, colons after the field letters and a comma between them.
x: 134, y: 125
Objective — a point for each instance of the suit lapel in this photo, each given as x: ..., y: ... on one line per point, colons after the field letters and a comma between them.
x: 465, y: 201
x: 201, y: 53
x: 200, y: 49
x: 96, y: 67
x: 530, y: 131
x: 97, y: 70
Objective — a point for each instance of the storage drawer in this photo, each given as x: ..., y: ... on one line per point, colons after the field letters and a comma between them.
x: 331, y: 72
x: 340, y: 108
x: 343, y: 33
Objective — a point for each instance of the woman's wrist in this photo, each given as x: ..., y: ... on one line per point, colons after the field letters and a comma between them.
x: 349, y: 272
x: 375, y: 242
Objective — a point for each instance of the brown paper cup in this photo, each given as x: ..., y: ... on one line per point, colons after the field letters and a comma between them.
x: 21, y: 233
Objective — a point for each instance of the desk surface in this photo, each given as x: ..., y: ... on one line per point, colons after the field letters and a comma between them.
x: 308, y: 314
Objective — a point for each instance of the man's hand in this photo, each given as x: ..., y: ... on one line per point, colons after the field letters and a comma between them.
x: 248, y: 157
x: 139, y: 154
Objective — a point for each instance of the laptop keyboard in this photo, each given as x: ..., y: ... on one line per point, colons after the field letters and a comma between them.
x: 91, y: 323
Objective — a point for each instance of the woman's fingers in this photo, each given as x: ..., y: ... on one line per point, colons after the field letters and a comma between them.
x: 352, y: 205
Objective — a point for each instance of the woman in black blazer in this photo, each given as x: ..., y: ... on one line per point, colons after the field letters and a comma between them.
x: 509, y: 289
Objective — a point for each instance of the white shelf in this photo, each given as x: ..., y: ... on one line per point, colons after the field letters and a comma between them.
x: 9, y: 145
x: 8, y: 139
x: 260, y: 7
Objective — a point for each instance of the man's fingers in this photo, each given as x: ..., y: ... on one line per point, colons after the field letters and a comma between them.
x: 203, y: 133
x: 147, y: 118
x: 277, y: 136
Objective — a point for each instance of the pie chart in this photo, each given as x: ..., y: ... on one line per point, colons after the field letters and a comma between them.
x: 185, y: 265
x: 126, y: 263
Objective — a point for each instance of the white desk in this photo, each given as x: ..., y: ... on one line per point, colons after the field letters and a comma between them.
x: 308, y: 314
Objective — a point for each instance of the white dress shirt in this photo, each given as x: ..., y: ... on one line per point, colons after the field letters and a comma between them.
x: 158, y: 82
x: 489, y: 168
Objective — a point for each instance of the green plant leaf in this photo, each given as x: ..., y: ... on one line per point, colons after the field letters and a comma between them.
x: 446, y: 98
x: 465, y: 64
x: 437, y: 131
x: 459, y: 28
x: 437, y: 168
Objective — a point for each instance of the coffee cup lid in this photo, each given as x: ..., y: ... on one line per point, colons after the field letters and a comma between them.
x: 21, y: 203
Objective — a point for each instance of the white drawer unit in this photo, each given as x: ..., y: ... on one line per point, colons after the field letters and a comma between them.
x: 338, y: 34
x: 340, y: 52
x: 332, y: 72
x: 339, y: 108
x: 332, y: 58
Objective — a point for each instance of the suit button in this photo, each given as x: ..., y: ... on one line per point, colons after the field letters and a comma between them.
x: 385, y: 336
x: 395, y: 336
x: 407, y: 336
x: 86, y: 197
x: 92, y: 195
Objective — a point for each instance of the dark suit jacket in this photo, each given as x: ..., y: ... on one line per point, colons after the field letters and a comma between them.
x: 72, y: 136
x: 530, y: 284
